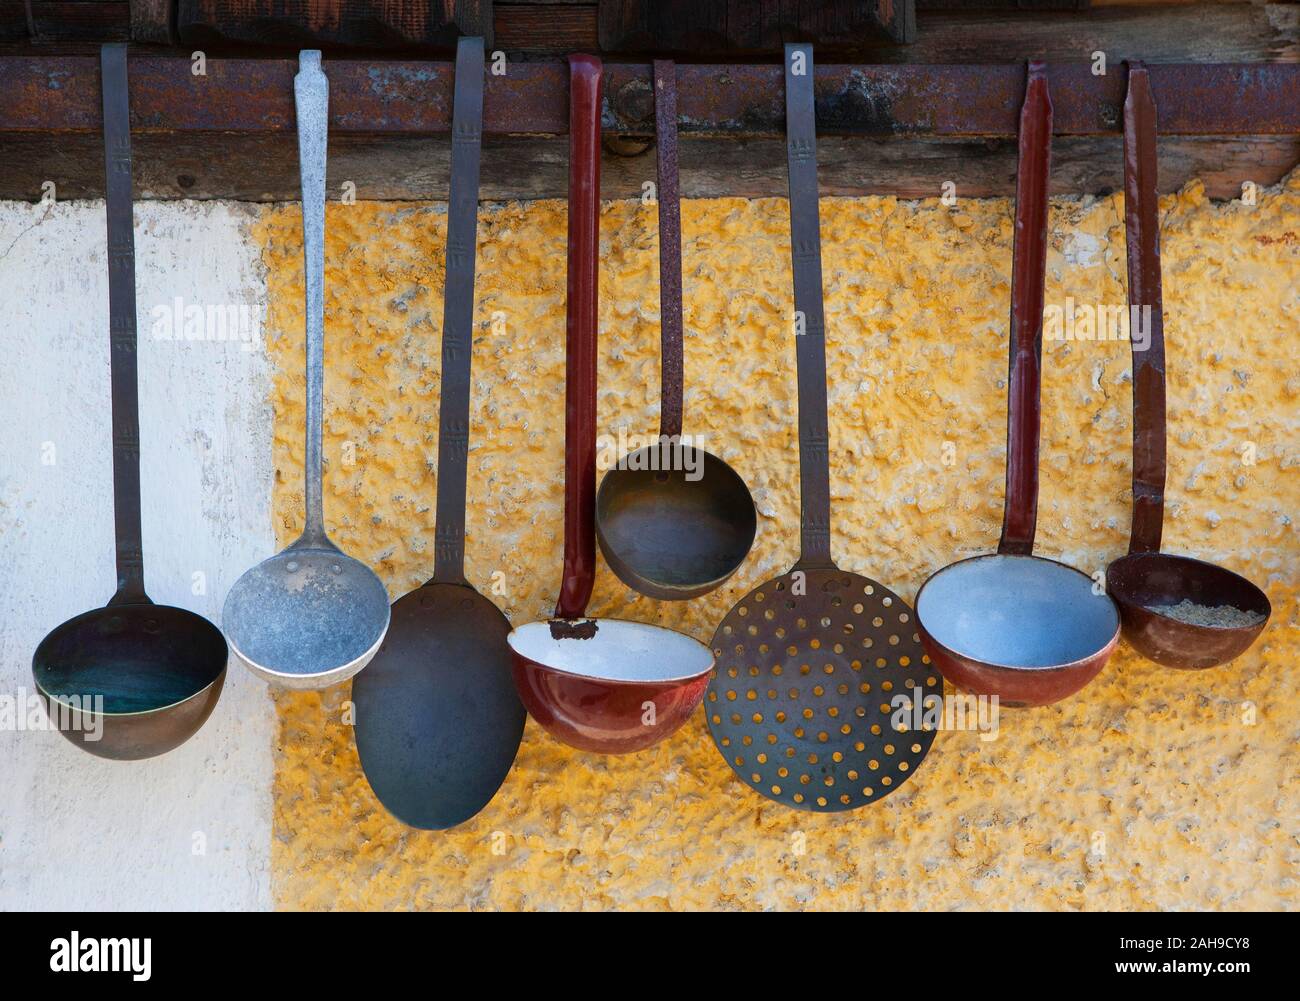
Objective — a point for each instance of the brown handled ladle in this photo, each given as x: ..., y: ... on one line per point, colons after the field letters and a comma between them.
x: 151, y: 674
x: 438, y: 720
x: 597, y: 684
x: 1177, y: 611
x: 820, y: 682
x: 1028, y: 630
x: 673, y: 520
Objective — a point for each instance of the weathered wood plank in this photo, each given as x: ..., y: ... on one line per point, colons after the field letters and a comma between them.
x: 744, y: 28
x: 51, y: 22
x: 352, y: 24
x: 1196, y: 33
x: 265, y: 168
x: 551, y: 28
x: 1160, y: 32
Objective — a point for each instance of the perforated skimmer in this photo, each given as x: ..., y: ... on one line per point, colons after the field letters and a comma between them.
x: 821, y: 682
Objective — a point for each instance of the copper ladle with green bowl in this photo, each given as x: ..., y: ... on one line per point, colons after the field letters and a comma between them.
x: 133, y: 679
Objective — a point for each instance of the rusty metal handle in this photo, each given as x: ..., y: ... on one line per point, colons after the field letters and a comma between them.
x: 1028, y: 277
x: 585, y: 75
x: 670, y: 249
x: 122, y: 338
x: 1142, y: 239
x: 458, y: 313
x: 810, y: 318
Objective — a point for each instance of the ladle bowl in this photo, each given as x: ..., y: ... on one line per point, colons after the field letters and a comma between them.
x: 438, y: 718
x: 1143, y: 584
x: 1027, y: 629
x: 308, y: 617
x: 158, y: 670
x: 678, y: 532
x: 608, y: 685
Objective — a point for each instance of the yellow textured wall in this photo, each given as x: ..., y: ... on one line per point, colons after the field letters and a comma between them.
x: 1150, y: 789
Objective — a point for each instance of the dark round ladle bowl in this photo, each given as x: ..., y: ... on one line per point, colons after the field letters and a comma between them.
x: 158, y: 669
x: 1027, y: 629
x: 1143, y: 583
x: 674, y: 533
x: 609, y: 685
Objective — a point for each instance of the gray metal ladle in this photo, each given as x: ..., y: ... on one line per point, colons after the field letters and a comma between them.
x: 310, y: 616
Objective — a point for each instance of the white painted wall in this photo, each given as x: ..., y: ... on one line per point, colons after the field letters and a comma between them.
x: 77, y: 831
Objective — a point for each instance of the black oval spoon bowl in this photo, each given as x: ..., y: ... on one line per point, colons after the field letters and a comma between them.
x: 438, y: 720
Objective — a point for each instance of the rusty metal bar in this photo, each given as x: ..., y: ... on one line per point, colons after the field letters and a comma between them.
x: 61, y: 95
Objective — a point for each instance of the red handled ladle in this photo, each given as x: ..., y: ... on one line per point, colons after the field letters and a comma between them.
x: 596, y: 684
x: 673, y: 520
x: 1027, y: 629
x: 1176, y: 611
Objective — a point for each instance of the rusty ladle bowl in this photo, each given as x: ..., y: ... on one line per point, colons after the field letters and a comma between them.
x: 673, y: 520
x: 604, y: 685
x: 1028, y: 630
x: 1146, y: 582
x: 134, y: 679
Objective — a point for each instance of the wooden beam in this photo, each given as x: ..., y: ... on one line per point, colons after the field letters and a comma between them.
x: 744, y: 101
x: 264, y: 167
x: 883, y: 129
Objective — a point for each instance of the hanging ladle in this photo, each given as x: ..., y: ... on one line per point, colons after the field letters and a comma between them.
x: 819, y: 697
x: 1028, y: 630
x: 310, y: 616
x: 597, y: 684
x: 133, y: 679
x: 1177, y: 611
x: 438, y: 719
x: 673, y: 520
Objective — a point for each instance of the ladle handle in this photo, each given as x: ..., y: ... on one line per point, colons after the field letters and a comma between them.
x: 809, y: 319
x: 1146, y: 311
x: 311, y: 102
x: 670, y: 249
x: 1028, y: 277
x: 458, y: 312
x: 585, y: 77
x: 122, y: 326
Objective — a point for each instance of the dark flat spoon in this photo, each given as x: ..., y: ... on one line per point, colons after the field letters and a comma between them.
x: 438, y: 720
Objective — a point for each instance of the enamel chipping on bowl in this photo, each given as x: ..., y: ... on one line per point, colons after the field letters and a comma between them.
x: 1028, y: 630
x: 596, y: 684
x: 592, y: 683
